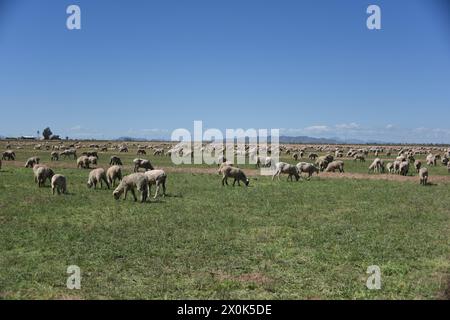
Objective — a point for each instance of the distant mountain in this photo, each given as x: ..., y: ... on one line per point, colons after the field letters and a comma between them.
x: 334, y: 140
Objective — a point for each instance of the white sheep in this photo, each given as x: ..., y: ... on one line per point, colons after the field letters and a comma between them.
x: 377, y: 165
x: 286, y: 168
x: 54, y: 156
x: 335, y: 165
x: 97, y: 176
x: 308, y: 168
x: 235, y: 173
x: 114, y: 173
x: 417, y: 165
x: 142, y: 163
x: 31, y: 162
x: 158, y: 178
x: 423, y: 176
x: 83, y: 162
x: 131, y: 182
x: 42, y: 173
x: 59, y: 184
x: 404, y: 168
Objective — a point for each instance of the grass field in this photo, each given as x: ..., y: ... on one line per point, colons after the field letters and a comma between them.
x: 273, y: 240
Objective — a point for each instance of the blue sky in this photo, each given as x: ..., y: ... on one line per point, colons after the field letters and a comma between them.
x: 145, y: 68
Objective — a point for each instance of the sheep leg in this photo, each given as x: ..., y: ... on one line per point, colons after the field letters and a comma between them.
x: 164, y: 188
x: 157, y: 189
x: 134, y: 194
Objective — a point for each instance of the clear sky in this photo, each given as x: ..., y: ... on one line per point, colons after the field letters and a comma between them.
x: 145, y: 68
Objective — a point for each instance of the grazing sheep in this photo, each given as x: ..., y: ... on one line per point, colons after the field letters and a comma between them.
x: 289, y: 169
x: 445, y: 161
x: 431, y: 160
x: 59, y: 184
x: 9, y: 155
x: 69, y: 153
x: 312, y: 156
x: 235, y: 173
x: 142, y: 163
x: 308, y: 168
x: 417, y: 165
x: 83, y: 162
x: 158, y: 152
x: 92, y: 160
x: 390, y: 167
x: 322, y: 162
x: 359, y: 157
x: 141, y: 152
x: 377, y: 165
x: 31, y: 162
x: 42, y: 173
x: 54, y: 156
x: 295, y: 156
x: 114, y: 173
x: 404, y: 168
x: 123, y: 149
x: 97, y: 176
x: 90, y: 154
x: 263, y: 162
x: 335, y: 165
x: 158, y: 178
x: 131, y: 182
x: 423, y: 176
x: 114, y: 160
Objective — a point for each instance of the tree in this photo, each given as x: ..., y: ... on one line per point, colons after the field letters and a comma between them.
x: 47, y: 133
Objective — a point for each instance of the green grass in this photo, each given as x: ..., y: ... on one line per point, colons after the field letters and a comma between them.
x: 273, y: 240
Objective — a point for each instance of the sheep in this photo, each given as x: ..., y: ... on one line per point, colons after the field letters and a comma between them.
x: 264, y: 162
x: 123, y: 149
x: 59, y: 184
x: 445, y: 160
x: 54, y: 156
x: 69, y: 153
x: 31, y: 162
x: 83, y: 162
x: 158, y: 178
x: 283, y: 167
x: 295, y: 156
x: 417, y: 165
x: 390, y: 167
x: 322, y: 162
x: 404, y: 168
x: 312, y: 156
x: 142, y: 163
x: 114, y: 173
x: 335, y: 165
x: 92, y: 160
x: 359, y: 157
x: 131, y: 182
x: 90, y: 154
x: 158, y: 152
x: 42, y: 173
x: 114, y: 160
x: 97, y: 176
x: 308, y: 168
x: 377, y: 165
x: 9, y: 155
x: 141, y: 152
x: 431, y: 160
x: 232, y: 172
x: 423, y: 176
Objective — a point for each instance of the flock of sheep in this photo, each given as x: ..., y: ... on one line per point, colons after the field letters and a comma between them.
x: 143, y: 181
